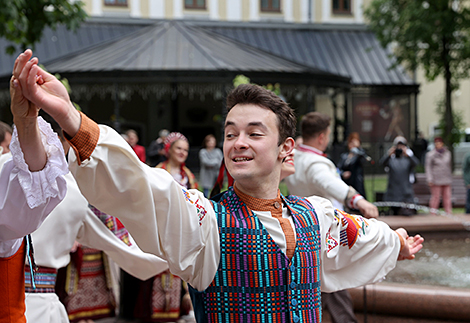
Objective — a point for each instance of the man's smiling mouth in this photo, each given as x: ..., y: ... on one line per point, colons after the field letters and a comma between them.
x: 241, y: 159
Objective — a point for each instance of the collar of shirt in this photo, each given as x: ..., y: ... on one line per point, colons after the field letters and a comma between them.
x: 256, y: 204
x: 311, y: 149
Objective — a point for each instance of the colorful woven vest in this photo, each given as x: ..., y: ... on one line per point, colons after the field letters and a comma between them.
x: 255, y: 281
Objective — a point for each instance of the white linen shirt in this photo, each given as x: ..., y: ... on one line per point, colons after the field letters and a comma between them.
x: 180, y: 225
x: 72, y: 220
x: 26, y: 198
x: 316, y: 175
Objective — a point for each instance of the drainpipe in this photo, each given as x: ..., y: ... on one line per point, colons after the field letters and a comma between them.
x: 309, y: 11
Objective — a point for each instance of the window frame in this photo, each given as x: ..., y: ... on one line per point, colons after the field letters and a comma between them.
x: 270, y: 7
x: 195, y: 6
x: 341, y: 10
x: 115, y: 3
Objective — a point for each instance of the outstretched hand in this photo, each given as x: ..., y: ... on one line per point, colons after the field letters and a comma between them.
x: 412, y: 245
x: 46, y: 92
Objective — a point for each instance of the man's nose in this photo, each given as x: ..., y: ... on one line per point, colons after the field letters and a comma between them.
x: 241, y: 142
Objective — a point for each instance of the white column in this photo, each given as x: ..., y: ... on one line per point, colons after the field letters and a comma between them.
x: 214, y: 10
x: 326, y: 11
x: 254, y: 10
x: 312, y: 12
x: 177, y: 9
x: 157, y: 9
x: 97, y: 7
x: 135, y: 9
x: 358, y: 12
x: 304, y: 11
x: 234, y: 10
x: 288, y: 10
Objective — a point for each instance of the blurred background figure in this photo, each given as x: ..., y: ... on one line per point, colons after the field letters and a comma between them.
x: 438, y: 169
x: 466, y: 177
x: 350, y: 164
x: 210, y: 158
x: 165, y: 297
x: 156, y: 149
x: 177, y: 149
x: 399, y: 163
x: 133, y: 139
x: 420, y: 147
x: 5, y: 137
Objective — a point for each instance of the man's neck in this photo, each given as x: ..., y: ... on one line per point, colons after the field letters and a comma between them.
x: 258, y: 191
x: 313, y: 143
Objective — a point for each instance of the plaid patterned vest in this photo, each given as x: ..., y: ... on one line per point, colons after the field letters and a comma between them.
x: 255, y: 281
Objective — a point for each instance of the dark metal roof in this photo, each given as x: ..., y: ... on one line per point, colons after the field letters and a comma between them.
x: 60, y: 42
x: 353, y: 53
x: 176, y: 46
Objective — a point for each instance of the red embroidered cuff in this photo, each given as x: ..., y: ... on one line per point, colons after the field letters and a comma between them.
x: 353, y: 201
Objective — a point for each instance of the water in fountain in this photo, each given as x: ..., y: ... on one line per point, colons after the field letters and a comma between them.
x: 440, y: 263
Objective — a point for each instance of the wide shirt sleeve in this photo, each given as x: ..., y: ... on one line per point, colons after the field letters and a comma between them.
x: 355, y: 251
x: 26, y: 198
x: 95, y: 234
x: 164, y: 218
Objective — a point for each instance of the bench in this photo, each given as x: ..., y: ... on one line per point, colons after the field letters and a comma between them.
x: 423, y: 193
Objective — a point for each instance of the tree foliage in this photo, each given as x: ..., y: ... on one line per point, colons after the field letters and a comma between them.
x: 23, y: 21
x: 433, y: 34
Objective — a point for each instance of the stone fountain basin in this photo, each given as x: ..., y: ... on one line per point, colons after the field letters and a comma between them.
x: 414, y: 300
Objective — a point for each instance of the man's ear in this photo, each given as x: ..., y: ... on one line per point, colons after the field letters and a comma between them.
x: 286, y: 147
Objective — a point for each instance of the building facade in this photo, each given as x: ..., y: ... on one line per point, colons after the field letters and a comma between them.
x: 326, y: 60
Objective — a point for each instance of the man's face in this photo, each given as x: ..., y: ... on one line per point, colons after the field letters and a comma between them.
x: 6, y: 143
x: 251, y: 150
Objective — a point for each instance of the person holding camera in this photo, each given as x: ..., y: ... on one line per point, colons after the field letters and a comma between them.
x: 399, y: 163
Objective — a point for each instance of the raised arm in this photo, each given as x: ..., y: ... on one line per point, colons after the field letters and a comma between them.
x: 165, y: 220
x: 31, y: 183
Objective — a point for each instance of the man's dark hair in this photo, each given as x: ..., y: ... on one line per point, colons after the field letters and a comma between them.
x: 4, y: 128
x: 255, y: 94
x: 314, y: 123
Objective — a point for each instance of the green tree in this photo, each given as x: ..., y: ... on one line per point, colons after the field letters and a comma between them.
x: 23, y: 21
x: 433, y: 34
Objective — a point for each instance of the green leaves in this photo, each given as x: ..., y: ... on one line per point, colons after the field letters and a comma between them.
x: 23, y: 22
x: 433, y: 34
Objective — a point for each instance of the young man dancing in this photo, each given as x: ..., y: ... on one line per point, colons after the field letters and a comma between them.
x: 250, y: 248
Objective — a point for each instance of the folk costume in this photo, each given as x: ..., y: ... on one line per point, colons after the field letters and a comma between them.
x: 73, y: 220
x: 202, y: 240
x: 26, y: 199
x: 315, y: 174
x: 160, y: 298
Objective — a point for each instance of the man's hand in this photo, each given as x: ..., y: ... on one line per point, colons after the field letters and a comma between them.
x: 21, y: 108
x: 412, y: 245
x: 368, y: 210
x: 25, y: 118
x: 46, y: 92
